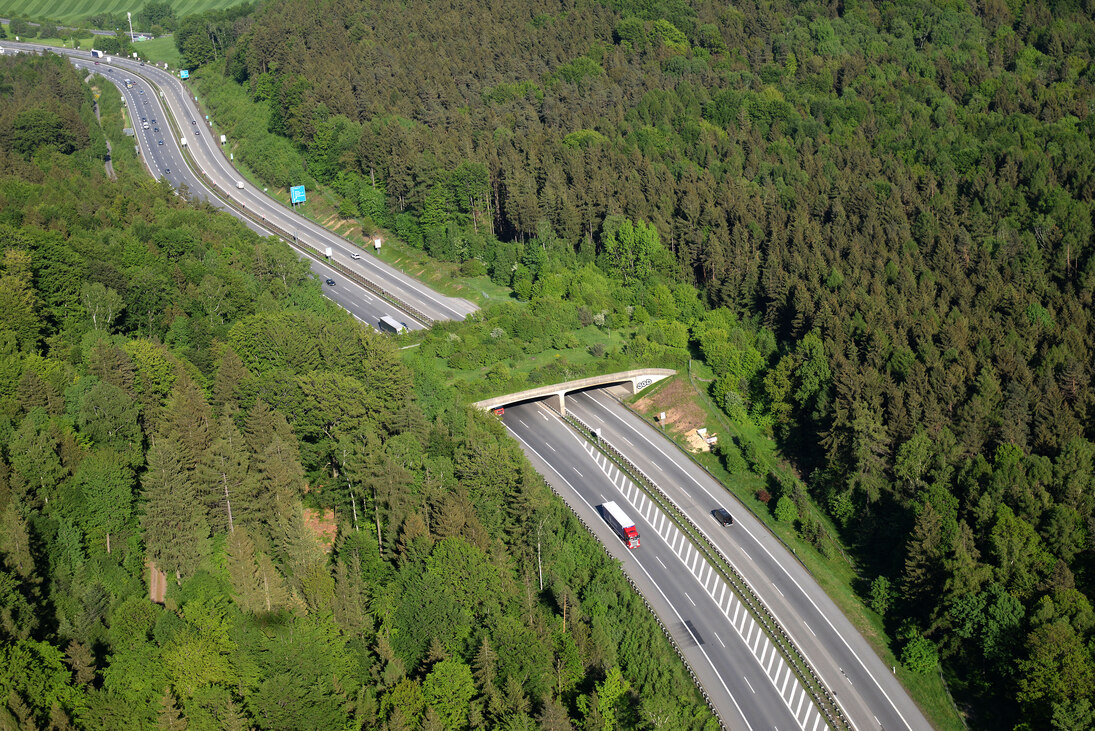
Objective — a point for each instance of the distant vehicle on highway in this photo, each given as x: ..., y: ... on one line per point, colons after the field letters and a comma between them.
x: 354, y: 255
x: 330, y: 282
x: 389, y: 324
x: 160, y: 142
x: 499, y: 411
x: 723, y: 516
x: 167, y: 171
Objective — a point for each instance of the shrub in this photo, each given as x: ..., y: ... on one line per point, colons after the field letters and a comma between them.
x: 786, y: 510
x: 881, y: 595
x: 919, y: 654
x: 731, y: 458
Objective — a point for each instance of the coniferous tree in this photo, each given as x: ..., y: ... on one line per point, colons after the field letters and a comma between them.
x: 226, y: 486
x: 186, y: 420
x: 258, y: 586
x: 170, y: 718
x: 176, y: 534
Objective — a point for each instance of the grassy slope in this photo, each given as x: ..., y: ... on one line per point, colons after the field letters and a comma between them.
x: 114, y: 119
x: 73, y: 11
x: 157, y: 50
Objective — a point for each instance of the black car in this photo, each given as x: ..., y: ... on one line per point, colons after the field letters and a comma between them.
x: 330, y: 282
x: 161, y: 142
x: 167, y: 171
x: 723, y: 516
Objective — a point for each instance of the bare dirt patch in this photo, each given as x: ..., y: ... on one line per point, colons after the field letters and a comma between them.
x: 323, y: 526
x: 683, y: 415
x: 157, y: 583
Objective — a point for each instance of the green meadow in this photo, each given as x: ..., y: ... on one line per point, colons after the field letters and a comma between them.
x: 73, y: 11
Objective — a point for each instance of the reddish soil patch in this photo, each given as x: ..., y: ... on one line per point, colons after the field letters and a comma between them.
x: 157, y: 584
x: 323, y: 526
x: 683, y: 415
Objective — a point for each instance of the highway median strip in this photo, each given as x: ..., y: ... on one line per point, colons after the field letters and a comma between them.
x: 821, y: 697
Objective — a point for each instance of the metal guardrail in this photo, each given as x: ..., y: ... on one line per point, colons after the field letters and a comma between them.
x: 284, y: 235
x: 820, y: 694
x: 314, y: 253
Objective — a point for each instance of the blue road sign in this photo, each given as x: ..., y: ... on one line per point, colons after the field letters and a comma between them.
x: 184, y: 74
x: 296, y: 194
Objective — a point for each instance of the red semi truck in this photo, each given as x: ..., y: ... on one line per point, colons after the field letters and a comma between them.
x: 623, y: 525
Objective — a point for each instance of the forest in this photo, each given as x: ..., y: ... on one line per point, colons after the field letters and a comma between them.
x: 871, y: 220
x: 344, y: 543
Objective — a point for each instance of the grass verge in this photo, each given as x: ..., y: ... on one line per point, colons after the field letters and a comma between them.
x: 476, y: 383
x: 160, y: 50
x: 112, y: 119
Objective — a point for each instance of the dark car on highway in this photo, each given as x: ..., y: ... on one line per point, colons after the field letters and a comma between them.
x: 723, y: 516
x: 330, y: 282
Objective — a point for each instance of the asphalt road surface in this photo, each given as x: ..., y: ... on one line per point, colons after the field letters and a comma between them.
x: 203, y: 143
x: 746, y: 679
x: 165, y: 161
x: 865, y: 688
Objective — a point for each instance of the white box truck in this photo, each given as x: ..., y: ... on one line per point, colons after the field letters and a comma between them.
x: 389, y: 324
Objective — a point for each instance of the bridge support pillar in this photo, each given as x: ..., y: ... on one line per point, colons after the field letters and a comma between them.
x: 557, y: 402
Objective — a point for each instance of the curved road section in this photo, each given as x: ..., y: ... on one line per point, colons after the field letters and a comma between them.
x: 746, y: 681
x: 866, y: 690
x: 218, y: 173
x: 743, y: 675
x: 162, y: 157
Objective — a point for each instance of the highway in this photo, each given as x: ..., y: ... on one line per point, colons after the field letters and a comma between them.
x: 204, y: 145
x: 734, y: 663
x: 746, y: 679
x: 165, y: 161
x: 217, y: 172
x: 866, y: 690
